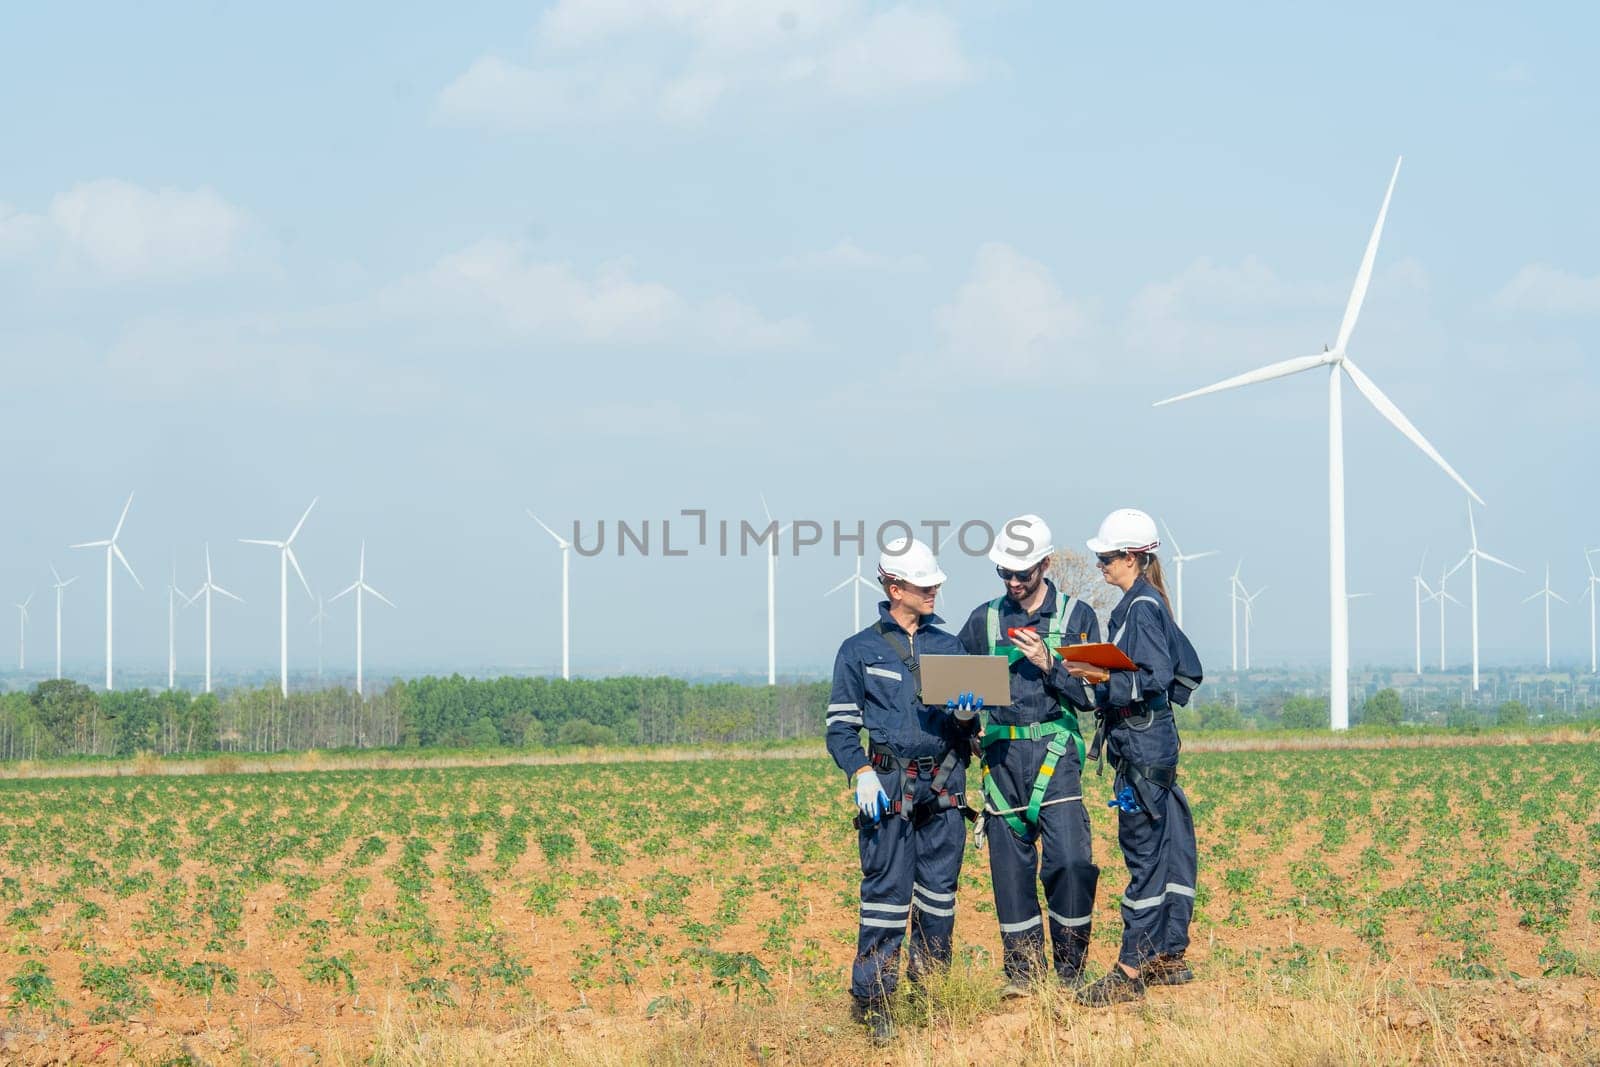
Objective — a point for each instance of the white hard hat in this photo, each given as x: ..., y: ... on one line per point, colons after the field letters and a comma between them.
x: 1126, y: 530
x: 1021, y: 543
x: 910, y: 560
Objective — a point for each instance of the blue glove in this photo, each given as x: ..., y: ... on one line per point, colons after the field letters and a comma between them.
x: 870, y: 797
x: 964, y: 707
x: 1127, y: 800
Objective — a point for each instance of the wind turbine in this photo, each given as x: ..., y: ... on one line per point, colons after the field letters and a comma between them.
x: 113, y: 549
x: 1339, y: 363
x: 1474, y: 554
x: 173, y: 593
x: 854, y: 584
x: 1178, y: 560
x: 1548, y: 594
x: 1248, y: 600
x: 772, y: 596
x: 566, y: 619
x: 22, y: 633
x: 319, y: 618
x: 208, y: 588
x: 59, y: 586
x: 1441, y: 596
x: 1234, y: 585
x: 358, y: 587
x: 1418, y: 586
x: 285, y: 558
x: 1588, y: 591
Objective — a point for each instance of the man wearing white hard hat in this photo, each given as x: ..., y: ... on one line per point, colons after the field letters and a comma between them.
x: 1155, y: 828
x: 1032, y: 762
x: 909, y: 778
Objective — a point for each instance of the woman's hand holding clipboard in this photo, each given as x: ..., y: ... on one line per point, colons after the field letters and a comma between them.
x: 1095, y: 662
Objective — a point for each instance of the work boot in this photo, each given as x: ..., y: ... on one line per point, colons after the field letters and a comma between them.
x: 1074, y: 978
x: 1015, y: 989
x: 1166, y: 970
x: 1115, y: 988
x: 874, y: 1015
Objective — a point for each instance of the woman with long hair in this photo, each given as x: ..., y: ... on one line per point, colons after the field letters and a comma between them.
x: 1154, y: 825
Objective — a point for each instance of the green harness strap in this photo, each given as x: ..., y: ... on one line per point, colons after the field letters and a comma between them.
x: 1051, y: 731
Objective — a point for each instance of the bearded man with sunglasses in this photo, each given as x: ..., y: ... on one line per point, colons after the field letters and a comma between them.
x: 1033, y: 761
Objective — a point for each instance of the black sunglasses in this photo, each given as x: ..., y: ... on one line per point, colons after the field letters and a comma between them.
x: 1106, y: 559
x: 1015, y: 576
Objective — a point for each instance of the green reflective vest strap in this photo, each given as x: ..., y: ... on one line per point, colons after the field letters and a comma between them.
x: 1067, y: 724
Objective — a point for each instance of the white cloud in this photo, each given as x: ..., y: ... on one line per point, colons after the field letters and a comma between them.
x: 532, y: 298
x: 848, y: 256
x: 118, y: 230
x: 1010, y: 313
x: 677, y: 61
x: 1548, y: 290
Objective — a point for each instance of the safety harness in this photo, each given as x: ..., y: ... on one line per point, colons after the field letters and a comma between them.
x: 1052, y: 731
x: 916, y: 766
x: 1155, y: 704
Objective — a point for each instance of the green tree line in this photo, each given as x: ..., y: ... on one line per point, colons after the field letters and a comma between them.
x: 64, y: 718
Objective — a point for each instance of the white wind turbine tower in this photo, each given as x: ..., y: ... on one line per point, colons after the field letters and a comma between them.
x: 566, y: 618
x: 772, y: 596
x: 1441, y: 596
x: 1418, y: 586
x: 358, y: 587
x: 854, y: 584
x: 1339, y: 364
x: 318, y: 619
x: 1474, y: 554
x: 59, y: 586
x: 1588, y: 591
x: 1234, y: 585
x: 1248, y: 599
x: 173, y: 593
x: 113, y: 549
x: 22, y: 633
x: 285, y: 558
x: 1178, y: 560
x: 208, y: 588
x: 1548, y: 594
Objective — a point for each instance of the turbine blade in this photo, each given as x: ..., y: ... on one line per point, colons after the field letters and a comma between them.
x: 302, y: 521
x: 1397, y: 418
x: 117, y: 551
x: 123, y: 518
x: 224, y: 592
x: 298, y: 572
x: 1452, y: 599
x: 1472, y: 525
x: 1558, y: 596
x: 1535, y: 596
x: 91, y: 544
x: 870, y: 585
x: 254, y: 541
x: 562, y: 541
x: 1173, y: 541
x: 1358, y: 292
x: 764, y: 508
x: 351, y: 588
x: 377, y: 594
x: 1281, y: 369
x: 840, y: 586
x: 69, y: 581
x: 1501, y: 562
x: 54, y: 574
x: 1203, y: 555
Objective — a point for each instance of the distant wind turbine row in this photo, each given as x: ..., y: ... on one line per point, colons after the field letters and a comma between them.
x: 174, y: 594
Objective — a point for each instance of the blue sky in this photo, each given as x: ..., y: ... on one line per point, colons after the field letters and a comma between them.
x: 621, y: 257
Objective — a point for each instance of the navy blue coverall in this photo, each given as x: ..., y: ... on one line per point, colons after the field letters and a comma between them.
x: 1068, y: 871
x: 908, y: 872
x: 1141, y: 738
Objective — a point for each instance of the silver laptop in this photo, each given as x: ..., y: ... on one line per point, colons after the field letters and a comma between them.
x: 945, y: 678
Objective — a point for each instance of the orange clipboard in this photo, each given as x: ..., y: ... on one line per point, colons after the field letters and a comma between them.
x: 1105, y: 656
